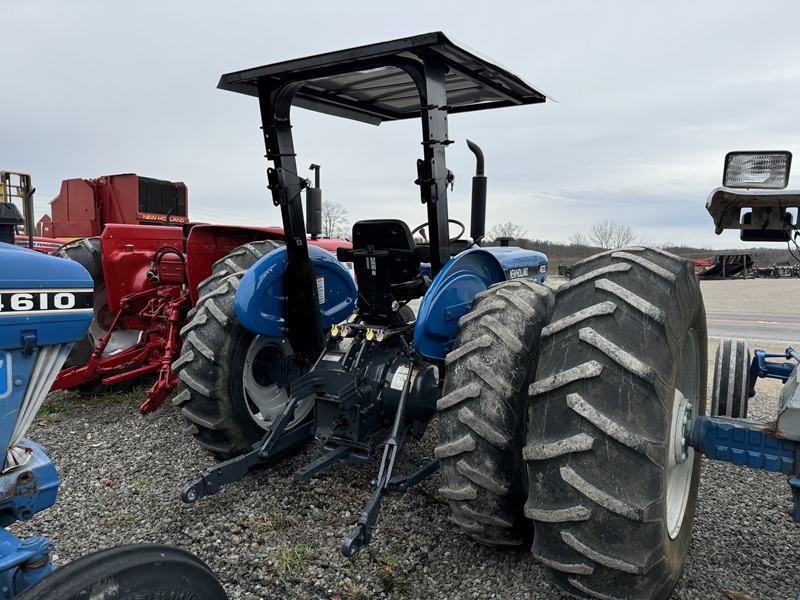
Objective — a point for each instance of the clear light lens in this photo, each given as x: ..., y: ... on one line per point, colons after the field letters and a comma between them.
x: 762, y: 170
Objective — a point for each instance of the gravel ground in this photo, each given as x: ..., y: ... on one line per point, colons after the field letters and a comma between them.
x: 270, y: 537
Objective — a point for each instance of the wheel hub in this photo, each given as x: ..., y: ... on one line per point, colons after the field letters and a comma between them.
x: 120, y: 339
x: 681, y: 458
x: 682, y: 413
x: 265, y: 399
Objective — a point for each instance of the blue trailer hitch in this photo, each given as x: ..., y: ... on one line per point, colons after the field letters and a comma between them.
x: 761, y: 367
x: 771, y: 446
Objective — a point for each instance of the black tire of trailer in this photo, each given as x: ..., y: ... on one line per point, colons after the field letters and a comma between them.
x: 482, y: 411
x: 731, y: 388
x: 134, y: 571
x: 623, y: 364
x: 87, y: 253
x: 211, y: 369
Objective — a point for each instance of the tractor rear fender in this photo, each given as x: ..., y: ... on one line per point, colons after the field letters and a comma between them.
x: 259, y: 300
x: 450, y: 297
x: 207, y: 243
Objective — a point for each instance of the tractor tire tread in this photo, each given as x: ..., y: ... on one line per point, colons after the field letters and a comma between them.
x: 208, y: 342
x: 731, y: 390
x: 481, y: 412
x: 597, y: 432
x: 87, y: 253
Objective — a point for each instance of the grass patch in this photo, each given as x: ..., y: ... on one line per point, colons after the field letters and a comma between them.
x: 292, y: 561
x: 275, y: 523
x: 140, y: 484
x: 354, y: 591
x: 392, y: 577
x: 133, y: 397
x: 51, y: 411
x: 59, y: 404
x: 123, y: 521
x: 354, y: 563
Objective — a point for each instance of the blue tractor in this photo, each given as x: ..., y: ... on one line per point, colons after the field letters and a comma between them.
x: 561, y: 415
x: 45, y: 306
x: 283, y: 345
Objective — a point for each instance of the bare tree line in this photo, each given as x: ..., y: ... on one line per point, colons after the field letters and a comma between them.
x: 603, y: 235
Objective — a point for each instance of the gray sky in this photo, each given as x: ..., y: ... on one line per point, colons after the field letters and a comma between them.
x: 650, y: 97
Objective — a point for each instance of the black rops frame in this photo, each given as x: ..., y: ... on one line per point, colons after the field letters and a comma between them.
x: 364, y: 84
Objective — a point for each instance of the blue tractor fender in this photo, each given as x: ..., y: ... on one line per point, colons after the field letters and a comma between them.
x: 259, y: 300
x: 450, y: 297
x: 451, y: 293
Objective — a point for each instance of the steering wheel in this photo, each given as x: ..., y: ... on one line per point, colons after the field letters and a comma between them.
x: 453, y: 239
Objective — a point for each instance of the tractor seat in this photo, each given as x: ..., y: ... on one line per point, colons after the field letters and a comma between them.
x: 385, y: 262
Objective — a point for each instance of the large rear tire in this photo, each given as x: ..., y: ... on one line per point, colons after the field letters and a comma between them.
x: 482, y: 411
x: 226, y: 399
x: 125, y: 572
x: 612, y: 484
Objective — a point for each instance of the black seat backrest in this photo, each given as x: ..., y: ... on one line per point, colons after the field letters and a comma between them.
x: 392, y: 235
x: 387, y: 269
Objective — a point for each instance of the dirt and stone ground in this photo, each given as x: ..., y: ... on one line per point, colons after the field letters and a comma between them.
x: 270, y: 537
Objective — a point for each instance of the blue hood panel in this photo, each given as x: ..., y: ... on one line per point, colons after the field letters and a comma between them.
x: 44, y: 299
x: 518, y: 262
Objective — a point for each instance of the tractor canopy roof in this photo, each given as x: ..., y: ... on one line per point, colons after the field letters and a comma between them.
x: 374, y: 83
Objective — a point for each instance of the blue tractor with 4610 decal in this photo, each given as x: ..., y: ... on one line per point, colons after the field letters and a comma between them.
x: 561, y: 415
x: 45, y: 306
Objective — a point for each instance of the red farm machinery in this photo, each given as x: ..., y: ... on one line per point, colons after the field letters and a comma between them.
x: 133, y: 235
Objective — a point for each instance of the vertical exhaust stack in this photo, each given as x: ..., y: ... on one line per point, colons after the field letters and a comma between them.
x: 30, y: 223
x: 314, y: 206
x: 478, y: 217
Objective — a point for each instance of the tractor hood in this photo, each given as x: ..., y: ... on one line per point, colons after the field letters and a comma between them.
x: 44, y: 300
